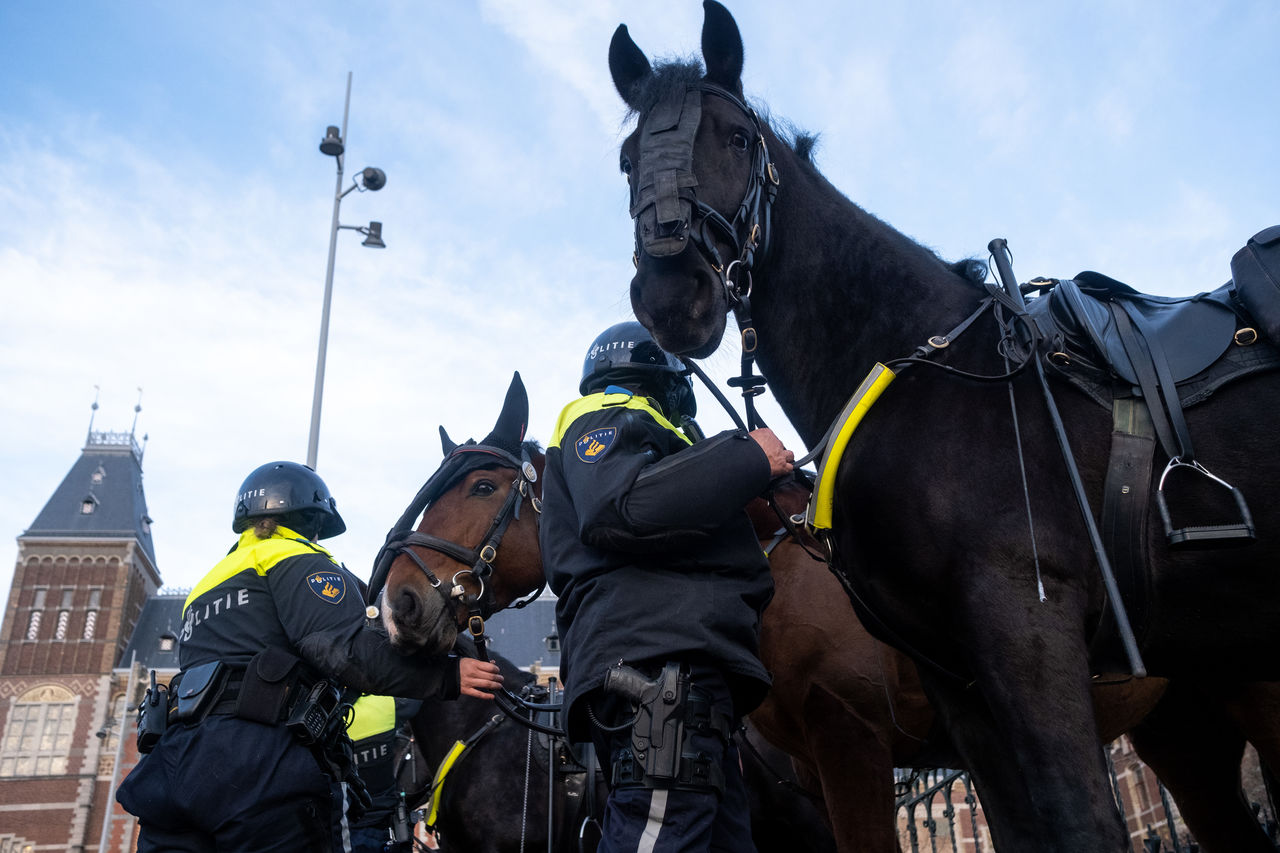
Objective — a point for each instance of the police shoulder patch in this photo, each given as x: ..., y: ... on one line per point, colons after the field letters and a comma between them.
x: 329, y: 587
x: 592, y: 446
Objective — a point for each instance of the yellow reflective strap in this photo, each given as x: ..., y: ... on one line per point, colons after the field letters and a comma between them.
x: 256, y: 554
x: 437, y: 784
x: 372, y: 715
x: 818, y: 515
x: 600, y: 401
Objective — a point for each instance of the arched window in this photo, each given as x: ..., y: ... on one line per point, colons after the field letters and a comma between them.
x: 37, y: 737
x: 64, y: 614
x: 37, y: 610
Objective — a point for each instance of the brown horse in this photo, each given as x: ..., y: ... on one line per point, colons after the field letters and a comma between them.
x: 849, y: 708
x: 930, y: 529
x: 845, y: 706
x: 432, y: 584
x: 473, y: 552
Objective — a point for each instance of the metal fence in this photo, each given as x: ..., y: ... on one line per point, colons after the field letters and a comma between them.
x: 939, y: 810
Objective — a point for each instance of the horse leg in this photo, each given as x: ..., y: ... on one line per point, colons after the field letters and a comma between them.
x: 852, y: 757
x: 1255, y: 709
x: 1026, y: 726
x: 1195, y: 749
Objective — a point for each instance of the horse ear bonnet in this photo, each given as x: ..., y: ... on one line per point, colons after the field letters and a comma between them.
x: 447, y: 445
x: 508, y: 432
x: 506, y: 438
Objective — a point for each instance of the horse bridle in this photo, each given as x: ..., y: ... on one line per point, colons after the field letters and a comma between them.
x: 667, y: 185
x: 478, y: 560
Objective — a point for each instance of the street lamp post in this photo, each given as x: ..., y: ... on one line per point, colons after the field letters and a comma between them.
x: 334, y: 145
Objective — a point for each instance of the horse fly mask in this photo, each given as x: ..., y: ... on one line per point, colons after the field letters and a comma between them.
x: 464, y: 459
x: 666, y: 208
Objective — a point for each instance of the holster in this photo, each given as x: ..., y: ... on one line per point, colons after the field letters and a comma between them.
x: 669, y: 711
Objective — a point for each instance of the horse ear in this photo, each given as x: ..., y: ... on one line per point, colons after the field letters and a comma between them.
x: 508, y: 432
x: 627, y: 64
x: 448, y: 445
x: 721, y: 47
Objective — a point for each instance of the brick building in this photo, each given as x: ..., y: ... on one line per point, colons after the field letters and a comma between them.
x: 85, y: 627
x: 85, y: 570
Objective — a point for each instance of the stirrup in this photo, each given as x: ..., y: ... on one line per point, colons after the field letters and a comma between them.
x: 1209, y: 535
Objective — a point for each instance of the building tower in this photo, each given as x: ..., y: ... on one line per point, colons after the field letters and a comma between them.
x: 85, y: 569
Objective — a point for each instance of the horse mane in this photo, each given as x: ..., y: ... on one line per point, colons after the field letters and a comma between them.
x: 669, y: 77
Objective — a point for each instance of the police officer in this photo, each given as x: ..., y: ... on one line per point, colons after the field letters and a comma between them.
x: 374, y: 729
x: 656, y: 565
x: 254, y: 748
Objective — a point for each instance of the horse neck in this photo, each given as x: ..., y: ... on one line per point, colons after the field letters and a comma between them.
x: 839, y: 291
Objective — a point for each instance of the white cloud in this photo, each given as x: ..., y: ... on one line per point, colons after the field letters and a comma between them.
x: 164, y: 211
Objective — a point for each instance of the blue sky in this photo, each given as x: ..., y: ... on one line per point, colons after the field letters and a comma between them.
x: 164, y: 209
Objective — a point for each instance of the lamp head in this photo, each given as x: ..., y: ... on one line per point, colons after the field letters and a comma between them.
x: 373, y: 179
x: 332, y: 142
x: 374, y: 236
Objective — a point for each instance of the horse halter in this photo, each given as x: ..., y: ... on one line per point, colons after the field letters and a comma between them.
x: 666, y: 208
x: 479, y: 559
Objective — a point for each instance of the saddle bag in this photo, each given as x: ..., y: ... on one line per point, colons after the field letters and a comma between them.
x: 1255, y: 269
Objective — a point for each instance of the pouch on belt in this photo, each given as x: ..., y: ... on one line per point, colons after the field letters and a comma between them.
x: 198, y: 690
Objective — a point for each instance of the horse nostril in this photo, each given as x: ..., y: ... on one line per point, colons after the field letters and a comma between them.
x: 407, y: 604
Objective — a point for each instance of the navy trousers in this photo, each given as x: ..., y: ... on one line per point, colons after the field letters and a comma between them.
x: 643, y: 820
x: 230, y: 784
x: 664, y: 820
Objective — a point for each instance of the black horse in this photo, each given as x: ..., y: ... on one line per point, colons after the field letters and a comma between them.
x: 494, y: 798
x: 954, y: 526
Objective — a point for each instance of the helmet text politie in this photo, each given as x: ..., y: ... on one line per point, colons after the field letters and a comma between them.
x: 291, y: 492
x: 626, y: 354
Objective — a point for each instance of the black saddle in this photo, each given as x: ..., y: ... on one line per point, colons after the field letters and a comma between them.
x: 1170, y: 352
x: 1193, y: 331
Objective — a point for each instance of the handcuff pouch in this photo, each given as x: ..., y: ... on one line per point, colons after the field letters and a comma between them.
x: 198, y: 690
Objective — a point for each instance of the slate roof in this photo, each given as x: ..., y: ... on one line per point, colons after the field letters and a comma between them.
x: 159, y: 625
x: 108, y: 479
x: 520, y: 635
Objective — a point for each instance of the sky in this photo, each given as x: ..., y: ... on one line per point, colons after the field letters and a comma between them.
x: 165, y: 209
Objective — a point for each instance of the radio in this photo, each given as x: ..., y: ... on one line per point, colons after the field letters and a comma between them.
x: 310, y: 717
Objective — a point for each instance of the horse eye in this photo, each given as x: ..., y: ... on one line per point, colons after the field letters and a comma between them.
x: 625, y: 166
x: 740, y: 140
x: 483, y: 489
